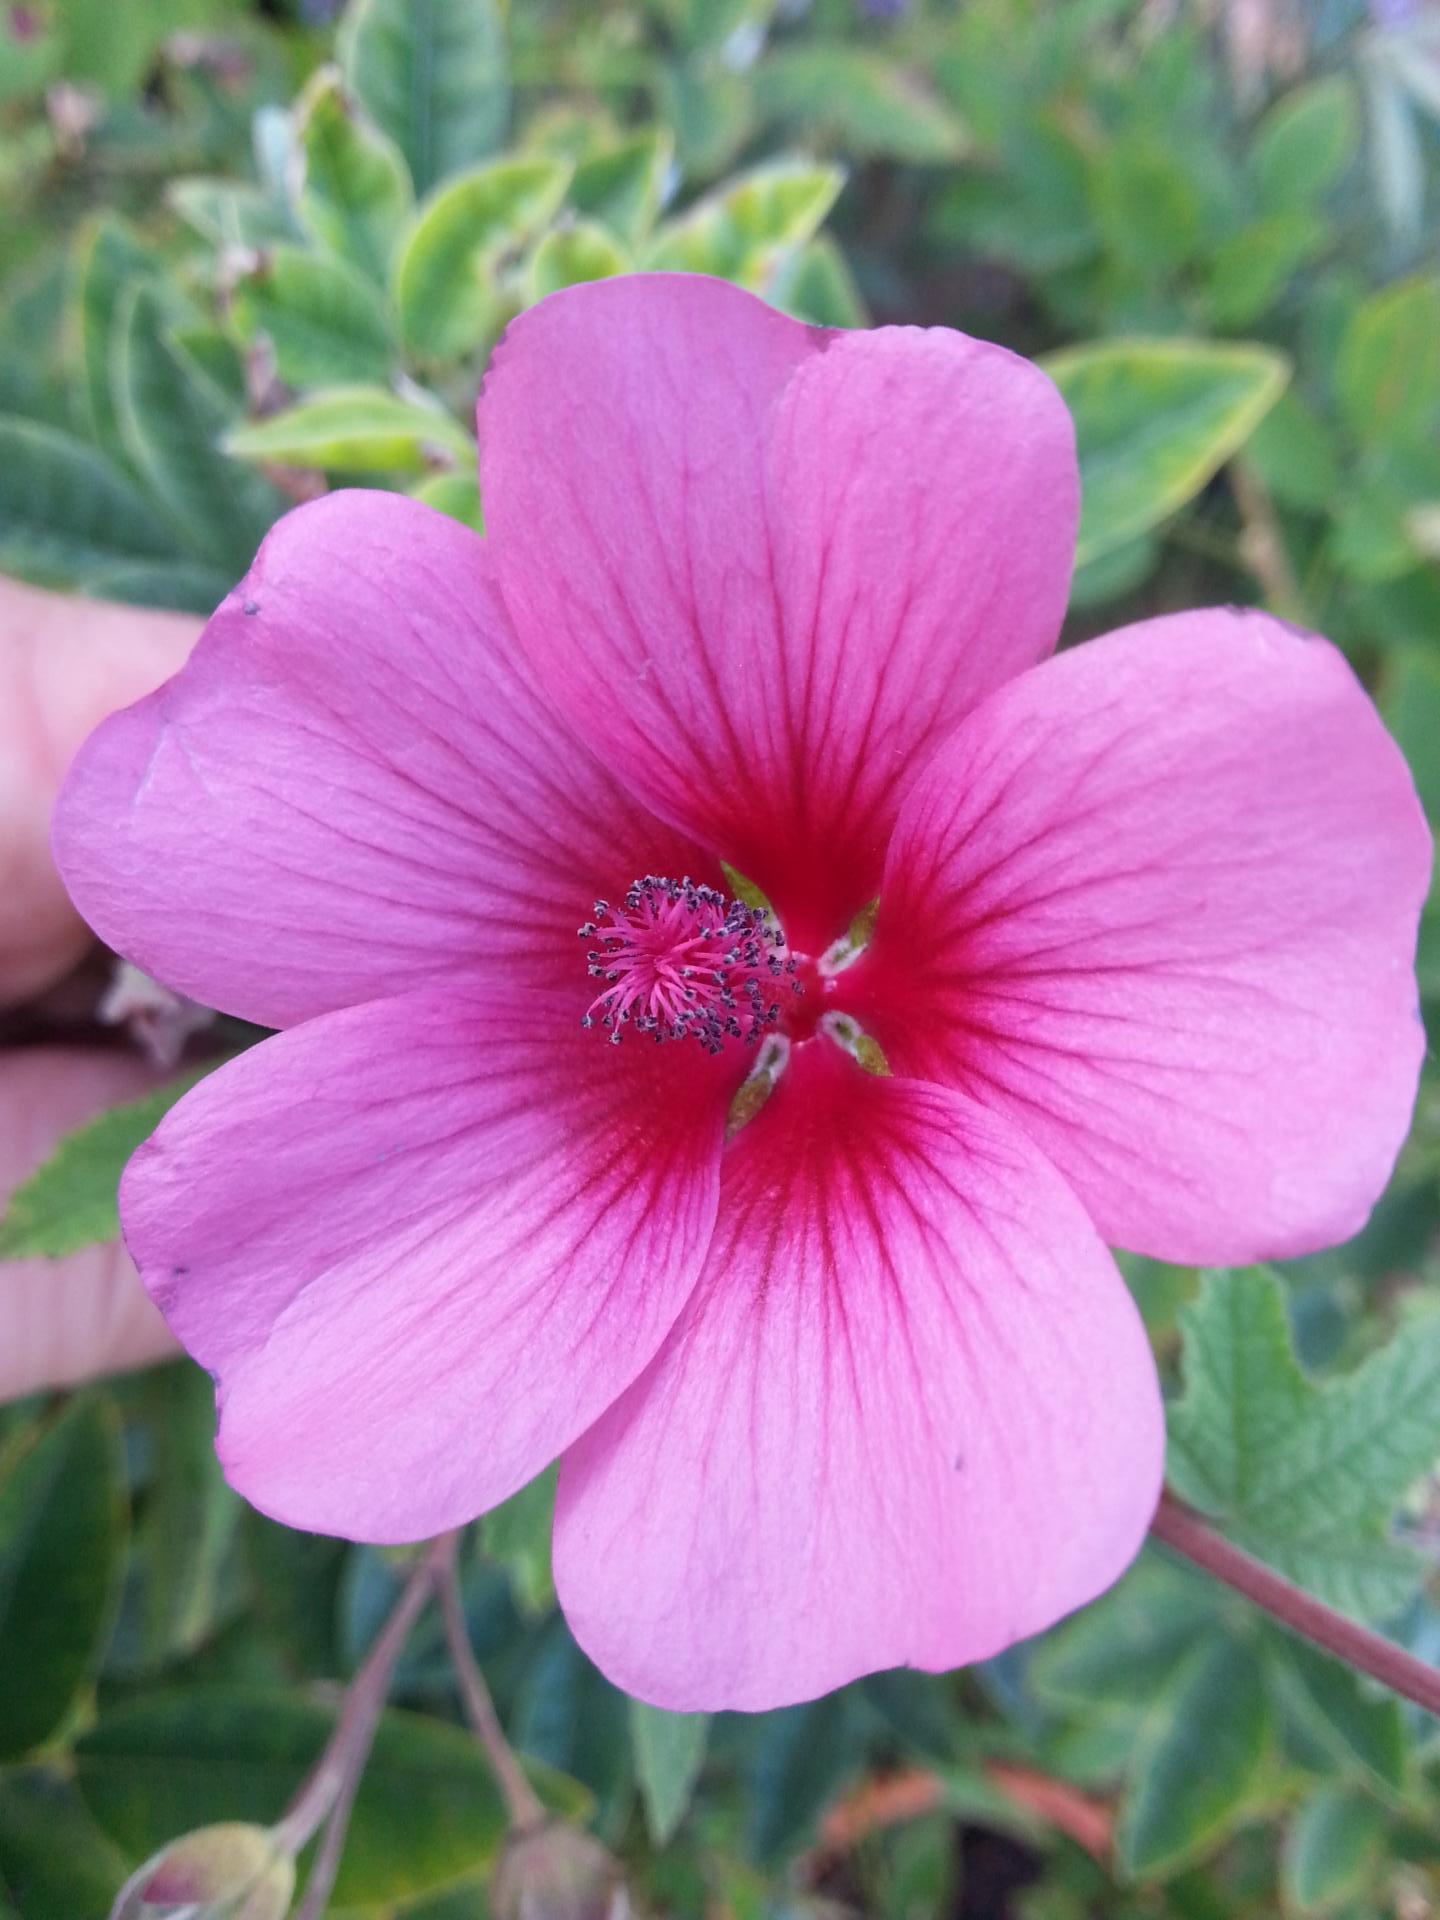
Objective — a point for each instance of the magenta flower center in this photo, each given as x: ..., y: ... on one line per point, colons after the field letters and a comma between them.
x: 679, y: 960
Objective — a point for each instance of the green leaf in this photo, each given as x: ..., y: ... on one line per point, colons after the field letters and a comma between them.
x: 113, y: 46
x: 213, y: 356
x: 1123, y: 1652
x: 355, y: 194
x: 1335, y: 1840
x: 1249, y: 272
x: 867, y: 105
x: 1154, y: 421
x: 1305, y: 1476
x: 69, y: 1201
x: 324, y: 321
x: 928, y: 1720
x: 1114, y: 572
x: 55, y: 1863
x: 669, y: 1753
x: 1387, y: 372
x: 1306, y: 142
x: 62, y: 1537
x: 746, y: 229
x: 432, y: 74
x: 1410, y: 703
x: 295, y: 1581
x: 186, y: 585
x: 184, y: 1527
x: 816, y: 286
x: 1146, y: 203
x: 516, y: 1536
x: 427, y: 1813
x: 1199, y: 1763
x: 110, y: 262
x: 230, y: 214
x: 355, y: 430
x: 457, y: 494
x: 622, y: 187
x: 65, y: 510
x: 711, y: 110
x: 801, y: 1757
x: 1295, y: 454
x: 1361, y: 1729
x: 445, y: 289
x: 171, y: 419
x: 569, y: 255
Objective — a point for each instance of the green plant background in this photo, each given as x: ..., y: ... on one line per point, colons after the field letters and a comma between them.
x: 251, y: 251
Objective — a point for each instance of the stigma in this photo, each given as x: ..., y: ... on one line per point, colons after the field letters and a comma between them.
x: 681, y: 961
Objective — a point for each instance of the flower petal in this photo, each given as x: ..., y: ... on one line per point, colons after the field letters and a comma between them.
x: 909, y: 1415
x: 1157, y: 902
x: 351, y: 789
x: 765, y: 567
x: 423, y: 1243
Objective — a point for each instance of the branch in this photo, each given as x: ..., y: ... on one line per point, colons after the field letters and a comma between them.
x: 329, y: 1793
x: 1262, y: 544
x: 1184, y: 1532
x: 521, y: 1801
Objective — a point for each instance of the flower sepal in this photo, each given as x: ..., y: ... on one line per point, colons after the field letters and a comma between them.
x: 233, y: 1871
x: 555, y: 1872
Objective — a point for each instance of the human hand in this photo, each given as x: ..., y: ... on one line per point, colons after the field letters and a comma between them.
x: 64, y: 665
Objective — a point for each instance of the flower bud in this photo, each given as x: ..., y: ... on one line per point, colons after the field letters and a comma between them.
x: 555, y: 1872
x: 227, y: 1872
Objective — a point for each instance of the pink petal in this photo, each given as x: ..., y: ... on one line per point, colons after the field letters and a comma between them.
x: 423, y: 1243
x: 1156, y: 902
x: 764, y: 566
x: 351, y: 789
x: 909, y: 1415
x: 74, y: 1319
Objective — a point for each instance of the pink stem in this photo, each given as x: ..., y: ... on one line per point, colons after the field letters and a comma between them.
x: 1182, y: 1529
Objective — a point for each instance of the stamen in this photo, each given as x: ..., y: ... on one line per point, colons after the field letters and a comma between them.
x: 682, y: 961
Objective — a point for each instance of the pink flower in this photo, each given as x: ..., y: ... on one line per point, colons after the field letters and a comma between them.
x: 859, y: 1386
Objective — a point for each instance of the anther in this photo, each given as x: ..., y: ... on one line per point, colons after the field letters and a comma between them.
x: 663, y: 975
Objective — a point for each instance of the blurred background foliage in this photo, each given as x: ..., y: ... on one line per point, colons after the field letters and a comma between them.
x: 254, y: 250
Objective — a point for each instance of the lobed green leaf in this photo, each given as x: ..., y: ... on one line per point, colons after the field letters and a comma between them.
x: 1307, y: 1476
x: 69, y: 1202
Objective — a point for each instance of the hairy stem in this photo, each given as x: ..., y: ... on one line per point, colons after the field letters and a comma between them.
x: 1184, y: 1532
x: 329, y: 1793
x: 521, y: 1801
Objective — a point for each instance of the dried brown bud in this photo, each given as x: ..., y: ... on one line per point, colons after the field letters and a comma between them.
x: 228, y: 1872
x: 555, y: 1872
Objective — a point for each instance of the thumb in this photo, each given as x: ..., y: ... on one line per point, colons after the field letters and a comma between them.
x: 65, y: 664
